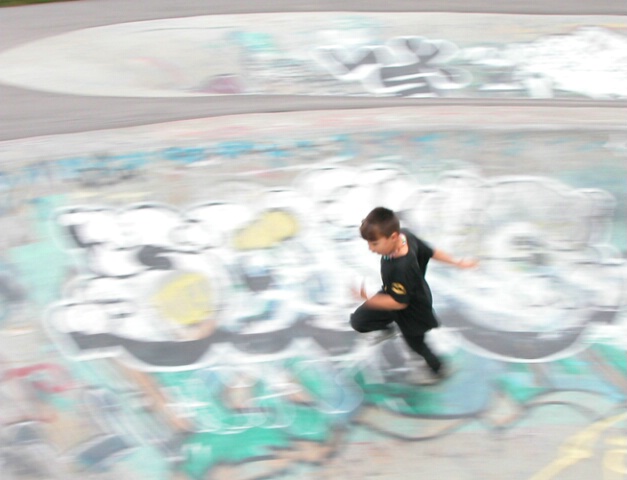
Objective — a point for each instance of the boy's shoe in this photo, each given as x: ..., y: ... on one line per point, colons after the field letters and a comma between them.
x: 433, y: 378
x: 382, y: 335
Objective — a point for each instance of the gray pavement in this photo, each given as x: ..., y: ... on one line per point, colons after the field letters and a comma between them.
x: 26, y: 113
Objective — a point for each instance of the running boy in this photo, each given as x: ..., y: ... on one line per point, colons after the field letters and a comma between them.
x: 405, y: 297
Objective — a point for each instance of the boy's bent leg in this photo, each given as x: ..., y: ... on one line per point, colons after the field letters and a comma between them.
x: 369, y: 320
x: 418, y: 345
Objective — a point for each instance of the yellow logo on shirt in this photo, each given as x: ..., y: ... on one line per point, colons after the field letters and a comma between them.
x: 398, y: 288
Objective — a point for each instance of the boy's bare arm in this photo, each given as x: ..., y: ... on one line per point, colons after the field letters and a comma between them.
x: 383, y: 301
x: 442, y: 256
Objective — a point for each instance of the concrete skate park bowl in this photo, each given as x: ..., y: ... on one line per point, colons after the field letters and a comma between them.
x: 175, y: 296
x: 410, y: 55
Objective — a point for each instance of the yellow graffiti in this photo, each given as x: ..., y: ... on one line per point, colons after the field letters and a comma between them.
x: 185, y: 299
x: 272, y: 228
x: 581, y: 446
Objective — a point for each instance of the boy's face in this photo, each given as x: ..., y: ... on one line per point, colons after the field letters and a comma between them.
x: 384, y: 245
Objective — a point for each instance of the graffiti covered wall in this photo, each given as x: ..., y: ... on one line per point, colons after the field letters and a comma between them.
x: 175, y: 299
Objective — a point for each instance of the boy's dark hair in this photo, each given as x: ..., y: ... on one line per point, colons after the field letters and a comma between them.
x: 380, y: 222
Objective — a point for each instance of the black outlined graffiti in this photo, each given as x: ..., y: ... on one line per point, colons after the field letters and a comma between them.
x: 189, y: 263
x: 230, y: 315
x: 404, y: 66
x: 538, y: 264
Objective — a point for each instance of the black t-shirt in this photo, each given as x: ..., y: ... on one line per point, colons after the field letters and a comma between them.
x: 404, y: 280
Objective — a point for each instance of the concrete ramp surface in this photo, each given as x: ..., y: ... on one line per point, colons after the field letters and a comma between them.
x: 175, y: 294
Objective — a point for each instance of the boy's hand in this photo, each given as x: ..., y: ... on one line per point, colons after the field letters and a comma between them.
x: 360, y: 293
x: 442, y: 256
x: 463, y: 263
